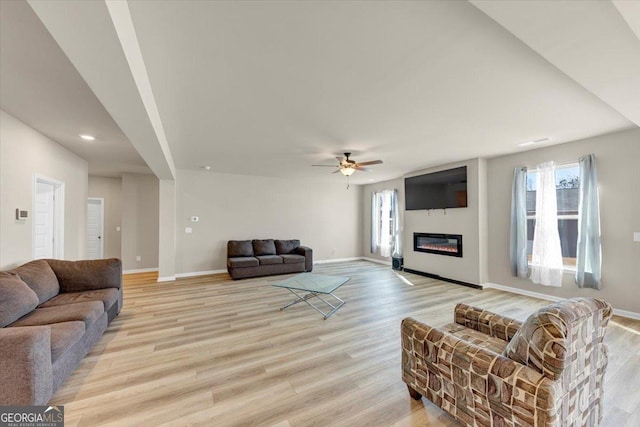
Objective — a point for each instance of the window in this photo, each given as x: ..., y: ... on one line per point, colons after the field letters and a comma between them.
x: 384, y: 222
x: 568, y: 198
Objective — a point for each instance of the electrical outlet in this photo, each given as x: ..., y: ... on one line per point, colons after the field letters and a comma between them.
x: 118, y: 228
x: 188, y: 230
x: 138, y: 258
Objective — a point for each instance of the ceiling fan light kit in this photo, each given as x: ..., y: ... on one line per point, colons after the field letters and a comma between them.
x: 348, y: 171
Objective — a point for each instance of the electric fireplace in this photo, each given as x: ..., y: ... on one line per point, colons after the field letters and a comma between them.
x: 441, y: 244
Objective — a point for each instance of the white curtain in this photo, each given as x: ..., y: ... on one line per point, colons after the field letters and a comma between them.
x: 395, y: 214
x: 589, y: 258
x: 375, y: 223
x: 385, y: 225
x: 546, y: 263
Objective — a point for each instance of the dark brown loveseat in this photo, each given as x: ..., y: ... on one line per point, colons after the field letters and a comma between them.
x: 51, y: 313
x: 252, y: 258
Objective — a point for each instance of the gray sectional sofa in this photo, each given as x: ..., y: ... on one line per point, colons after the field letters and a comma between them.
x: 252, y: 258
x: 51, y: 313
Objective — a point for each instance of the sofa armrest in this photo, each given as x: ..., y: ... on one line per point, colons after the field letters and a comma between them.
x: 25, y: 357
x: 77, y: 276
x: 486, y: 322
x: 308, y: 255
x: 453, y: 373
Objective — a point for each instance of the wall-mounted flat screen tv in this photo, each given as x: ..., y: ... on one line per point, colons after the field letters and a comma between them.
x: 438, y: 190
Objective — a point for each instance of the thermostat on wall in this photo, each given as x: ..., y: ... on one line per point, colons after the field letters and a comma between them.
x: 22, y: 214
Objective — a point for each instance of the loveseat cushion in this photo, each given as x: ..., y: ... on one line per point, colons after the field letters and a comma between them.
x: 264, y: 247
x: 40, y: 277
x: 16, y: 298
x: 75, y: 276
x: 63, y: 336
x: 87, y: 312
x: 270, y: 259
x: 286, y: 246
x: 245, y: 261
x: 292, y: 259
x: 108, y: 296
x: 239, y: 248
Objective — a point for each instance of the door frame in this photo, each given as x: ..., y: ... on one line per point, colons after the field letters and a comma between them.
x: 101, y: 200
x: 58, y: 214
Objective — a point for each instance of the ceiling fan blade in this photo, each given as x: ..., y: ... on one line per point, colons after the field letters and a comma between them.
x: 336, y: 171
x: 340, y: 159
x: 372, y: 162
x: 326, y: 166
x: 358, y: 168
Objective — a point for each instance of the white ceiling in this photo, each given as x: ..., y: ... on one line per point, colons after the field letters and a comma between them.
x: 270, y: 88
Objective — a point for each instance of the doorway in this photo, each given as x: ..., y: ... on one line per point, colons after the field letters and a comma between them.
x: 48, y: 218
x: 95, y: 228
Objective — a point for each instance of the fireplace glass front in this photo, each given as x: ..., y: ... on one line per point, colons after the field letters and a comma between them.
x: 434, y: 243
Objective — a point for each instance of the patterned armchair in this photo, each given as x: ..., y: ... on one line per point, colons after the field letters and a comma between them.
x: 489, y: 370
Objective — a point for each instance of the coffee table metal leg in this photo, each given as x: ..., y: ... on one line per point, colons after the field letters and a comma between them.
x: 305, y: 298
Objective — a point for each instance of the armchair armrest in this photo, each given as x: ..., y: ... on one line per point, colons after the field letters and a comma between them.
x: 308, y: 255
x: 486, y: 322
x: 25, y: 357
x: 76, y: 276
x: 473, y: 383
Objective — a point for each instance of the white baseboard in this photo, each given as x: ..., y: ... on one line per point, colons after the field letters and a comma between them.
x: 200, y: 273
x: 140, y: 270
x: 376, y: 260
x: 167, y: 279
x: 623, y: 313
x: 330, y: 260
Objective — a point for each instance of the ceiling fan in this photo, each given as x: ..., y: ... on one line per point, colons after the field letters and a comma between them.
x: 347, y: 167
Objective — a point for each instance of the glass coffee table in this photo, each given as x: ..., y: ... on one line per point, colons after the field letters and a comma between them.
x: 309, y: 285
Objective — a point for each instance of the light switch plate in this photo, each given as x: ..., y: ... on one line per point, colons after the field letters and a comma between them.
x: 188, y: 230
x: 118, y: 228
x: 636, y: 236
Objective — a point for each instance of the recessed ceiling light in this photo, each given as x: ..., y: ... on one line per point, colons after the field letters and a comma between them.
x: 534, y: 142
x: 207, y: 168
x: 88, y: 137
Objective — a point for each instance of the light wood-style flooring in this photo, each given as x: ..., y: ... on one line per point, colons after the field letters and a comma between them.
x: 209, y: 351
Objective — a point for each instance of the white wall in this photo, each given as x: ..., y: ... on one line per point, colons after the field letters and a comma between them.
x: 24, y: 153
x: 617, y: 157
x: 140, y: 221
x: 109, y: 189
x: 236, y: 207
x: 395, y: 184
x: 469, y: 222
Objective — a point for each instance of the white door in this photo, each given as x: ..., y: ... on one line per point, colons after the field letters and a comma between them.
x: 44, y: 220
x: 95, y: 228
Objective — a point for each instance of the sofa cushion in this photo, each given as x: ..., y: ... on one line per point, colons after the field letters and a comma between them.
x: 270, y: 259
x: 292, y: 259
x: 286, y: 246
x: 108, y: 296
x: 75, y: 276
x: 264, y: 247
x: 245, y: 261
x: 88, y: 312
x: 40, y: 277
x: 16, y: 298
x: 63, y: 336
x: 239, y: 248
